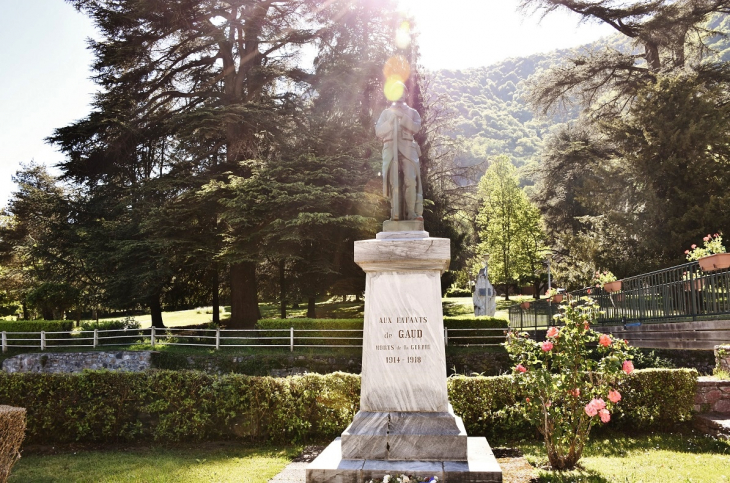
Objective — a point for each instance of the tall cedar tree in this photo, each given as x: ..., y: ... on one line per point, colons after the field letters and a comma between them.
x: 199, y: 88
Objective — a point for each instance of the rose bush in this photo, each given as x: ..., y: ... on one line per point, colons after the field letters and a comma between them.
x: 572, y: 380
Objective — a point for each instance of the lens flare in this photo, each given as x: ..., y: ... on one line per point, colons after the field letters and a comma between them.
x: 397, y: 70
x: 403, y: 36
x: 393, y: 89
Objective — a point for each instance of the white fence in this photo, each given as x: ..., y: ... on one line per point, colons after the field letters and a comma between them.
x: 215, y: 338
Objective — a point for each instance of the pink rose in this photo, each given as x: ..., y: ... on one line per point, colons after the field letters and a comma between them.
x: 575, y: 392
x: 707, y: 238
x: 614, y: 396
x: 590, y: 410
x: 628, y: 367
x: 716, y: 235
x: 693, y: 246
x: 520, y: 368
x: 605, y: 415
x: 589, y: 291
x: 599, y: 403
x: 586, y: 325
x: 547, y: 346
x: 686, y: 252
x: 527, y: 399
x: 604, y: 340
x: 552, y: 332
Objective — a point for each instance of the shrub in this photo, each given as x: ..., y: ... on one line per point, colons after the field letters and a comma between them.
x: 37, y: 326
x: 458, y: 292
x: 12, y: 432
x: 320, y: 328
x: 658, y: 398
x: 170, y: 406
x: 570, y: 381
x: 119, y: 324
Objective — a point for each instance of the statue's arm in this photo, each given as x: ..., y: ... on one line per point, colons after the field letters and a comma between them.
x: 412, y: 121
x: 384, y: 126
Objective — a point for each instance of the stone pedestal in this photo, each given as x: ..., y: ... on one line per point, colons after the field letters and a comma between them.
x: 405, y: 423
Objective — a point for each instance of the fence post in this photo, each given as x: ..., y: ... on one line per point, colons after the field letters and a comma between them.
x: 152, y: 336
x: 96, y: 337
x: 446, y: 336
x: 217, y: 338
x: 43, y: 340
x: 291, y: 339
x: 5, y: 342
x: 693, y: 293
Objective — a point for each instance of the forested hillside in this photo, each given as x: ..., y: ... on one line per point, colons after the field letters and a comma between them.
x: 492, y: 117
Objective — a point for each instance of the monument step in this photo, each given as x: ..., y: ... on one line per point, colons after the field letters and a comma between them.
x: 480, y: 467
x: 715, y: 424
x: 414, y: 436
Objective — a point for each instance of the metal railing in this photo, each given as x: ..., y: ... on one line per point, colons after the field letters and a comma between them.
x: 228, y: 338
x: 676, y: 294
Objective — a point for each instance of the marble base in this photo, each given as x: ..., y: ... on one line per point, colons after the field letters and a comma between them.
x: 403, y: 225
x: 480, y: 467
x: 405, y: 436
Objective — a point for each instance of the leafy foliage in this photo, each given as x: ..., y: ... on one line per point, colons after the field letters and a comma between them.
x: 169, y: 406
x: 566, y: 382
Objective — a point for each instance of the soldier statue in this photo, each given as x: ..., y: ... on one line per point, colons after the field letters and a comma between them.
x: 401, y: 168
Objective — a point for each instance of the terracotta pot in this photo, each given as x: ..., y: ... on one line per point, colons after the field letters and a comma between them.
x: 525, y: 305
x: 697, y: 284
x: 718, y: 261
x: 557, y: 298
x: 611, y: 287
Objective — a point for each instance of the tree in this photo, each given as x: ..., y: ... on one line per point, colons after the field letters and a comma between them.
x: 667, y: 36
x: 197, y: 92
x: 509, y: 227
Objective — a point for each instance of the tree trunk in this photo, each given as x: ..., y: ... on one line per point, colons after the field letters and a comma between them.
x: 26, y: 316
x: 244, y: 299
x: 156, y: 312
x: 47, y: 313
x: 216, y: 294
x: 282, y: 289
x: 311, y: 312
x: 506, y: 291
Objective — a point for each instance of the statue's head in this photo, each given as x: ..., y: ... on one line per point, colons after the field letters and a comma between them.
x: 400, y: 87
x: 403, y: 96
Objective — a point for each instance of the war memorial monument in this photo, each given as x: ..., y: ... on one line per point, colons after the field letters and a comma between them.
x: 405, y: 424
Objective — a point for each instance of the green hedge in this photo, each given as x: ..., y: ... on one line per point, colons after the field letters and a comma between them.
x: 169, y: 406
x: 324, y: 328
x: 35, y: 326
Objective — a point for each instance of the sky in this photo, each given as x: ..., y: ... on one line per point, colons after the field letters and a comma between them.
x: 45, y: 64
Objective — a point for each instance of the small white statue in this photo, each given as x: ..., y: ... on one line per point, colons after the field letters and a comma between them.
x: 485, y: 298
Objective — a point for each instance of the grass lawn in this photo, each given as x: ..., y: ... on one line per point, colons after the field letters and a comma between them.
x: 652, y: 458
x: 211, y: 462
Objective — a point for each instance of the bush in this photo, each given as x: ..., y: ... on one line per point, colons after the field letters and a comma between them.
x: 12, y: 432
x: 170, y: 406
x: 120, y: 324
x: 458, y: 292
x: 571, y: 381
x: 321, y: 328
x: 658, y: 398
x: 35, y: 326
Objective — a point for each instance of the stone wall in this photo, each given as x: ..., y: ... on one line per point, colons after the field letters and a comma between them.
x: 59, y: 362
x: 713, y: 396
x: 722, y: 358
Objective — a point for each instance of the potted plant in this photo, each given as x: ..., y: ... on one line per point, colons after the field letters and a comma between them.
x: 688, y: 282
x: 607, y: 280
x: 554, y: 296
x: 712, y: 256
